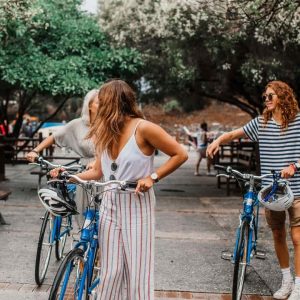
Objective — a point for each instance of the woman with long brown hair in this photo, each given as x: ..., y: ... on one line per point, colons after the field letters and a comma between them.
x: 125, y: 145
x: 278, y: 133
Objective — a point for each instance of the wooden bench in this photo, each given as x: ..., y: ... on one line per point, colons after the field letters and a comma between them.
x: 3, y: 196
x: 241, y: 157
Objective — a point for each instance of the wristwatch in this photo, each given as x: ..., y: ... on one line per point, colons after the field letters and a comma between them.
x: 297, y: 165
x: 154, y: 177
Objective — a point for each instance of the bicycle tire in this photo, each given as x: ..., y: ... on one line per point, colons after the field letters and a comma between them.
x: 60, y: 244
x: 41, y: 266
x: 66, y: 281
x: 240, y: 263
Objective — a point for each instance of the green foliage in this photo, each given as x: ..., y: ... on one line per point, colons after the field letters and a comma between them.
x: 50, y: 47
x: 194, y: 49
x: 172, y: 106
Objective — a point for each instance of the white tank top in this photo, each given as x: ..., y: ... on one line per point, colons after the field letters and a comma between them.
x: 132, y: 163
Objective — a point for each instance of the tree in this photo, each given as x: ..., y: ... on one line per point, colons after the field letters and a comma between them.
x: 194, y: 49
x: 52, y: 48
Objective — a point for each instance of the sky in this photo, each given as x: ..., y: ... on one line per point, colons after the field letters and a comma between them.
x: 90, y: 6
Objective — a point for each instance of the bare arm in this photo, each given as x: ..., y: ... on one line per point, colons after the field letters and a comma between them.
x: 213, y: 148
x: 47, y: 142
x: 95, y: 173
x: 157, y: 138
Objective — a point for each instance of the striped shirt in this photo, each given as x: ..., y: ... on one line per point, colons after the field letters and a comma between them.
x: 278, y: 148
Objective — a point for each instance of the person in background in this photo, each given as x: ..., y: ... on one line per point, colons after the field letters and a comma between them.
x: 27, y: 127
x: 73, y: 136
x: 278, y: 133
x: 202, y: 142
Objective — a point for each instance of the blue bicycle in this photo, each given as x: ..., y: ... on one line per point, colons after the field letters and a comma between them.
x: 247, y: 232
x: 78, y: 274
x: 55, y: 229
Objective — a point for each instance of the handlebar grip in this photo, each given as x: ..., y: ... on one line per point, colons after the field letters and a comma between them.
x: 220, y: 167
x: 74, y: 169
x: 131, y: 184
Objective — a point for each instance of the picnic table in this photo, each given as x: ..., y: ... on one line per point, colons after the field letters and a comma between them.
x: 240, y: 155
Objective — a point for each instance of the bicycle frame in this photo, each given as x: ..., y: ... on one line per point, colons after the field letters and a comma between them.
x: 90, y: 247
x: 250, y: 203
x: 57, y: 224
x: 89, y: 244
x: 85, y: 250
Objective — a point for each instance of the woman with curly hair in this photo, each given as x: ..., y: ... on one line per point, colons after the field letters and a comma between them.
x: 278, y: 133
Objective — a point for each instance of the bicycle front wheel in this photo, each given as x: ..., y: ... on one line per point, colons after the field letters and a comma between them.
x: 44, y: 249
x: 69, y: 277
x: 240, y: 263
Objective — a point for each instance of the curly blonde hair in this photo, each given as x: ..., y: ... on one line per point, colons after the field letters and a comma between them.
x: 287, y: 104
x: 117, y: 102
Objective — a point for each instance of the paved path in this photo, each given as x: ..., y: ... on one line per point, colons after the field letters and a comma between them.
x: 195, y: 223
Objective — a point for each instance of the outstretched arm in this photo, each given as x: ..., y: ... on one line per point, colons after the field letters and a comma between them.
x: 47, y: 142
x: 95, y: 173
x: 213, y: 148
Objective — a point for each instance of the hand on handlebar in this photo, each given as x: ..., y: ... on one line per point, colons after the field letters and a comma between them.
x: 32, y: 156
x: 287, y: 172
x: 56, y: 172
x: 144, y: 185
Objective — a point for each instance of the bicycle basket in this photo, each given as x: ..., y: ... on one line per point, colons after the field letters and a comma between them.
x: 278, y: 199
x: 56, y: 202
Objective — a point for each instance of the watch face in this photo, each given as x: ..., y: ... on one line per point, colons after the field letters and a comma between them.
x: 154, y: 176
x: 297, y: 166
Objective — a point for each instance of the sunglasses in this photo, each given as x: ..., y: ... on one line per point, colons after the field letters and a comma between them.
x: 113, y: 168
x: 268, y: 97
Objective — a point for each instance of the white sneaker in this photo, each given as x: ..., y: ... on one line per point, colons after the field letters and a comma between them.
x: 295, y: 295
x: 285, y: 290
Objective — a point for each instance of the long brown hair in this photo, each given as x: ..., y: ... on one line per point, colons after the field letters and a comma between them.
x: 287, y: 103
x: 117, y: 103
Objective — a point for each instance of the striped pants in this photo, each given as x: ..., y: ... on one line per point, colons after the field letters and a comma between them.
x: 126, y: 242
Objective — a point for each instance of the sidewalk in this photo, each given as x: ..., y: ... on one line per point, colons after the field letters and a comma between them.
x: 195, y: 222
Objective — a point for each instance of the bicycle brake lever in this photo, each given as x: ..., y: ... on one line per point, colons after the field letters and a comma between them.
x: 224, y: 175
x: 54, y: 180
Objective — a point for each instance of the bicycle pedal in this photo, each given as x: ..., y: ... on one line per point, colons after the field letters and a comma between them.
x: 260, y: 254
x: 226, y: 255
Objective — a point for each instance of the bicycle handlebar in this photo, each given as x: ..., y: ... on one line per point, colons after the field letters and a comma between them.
x: 123, y: 184
x: 230, y: 171
x: 46, y: 164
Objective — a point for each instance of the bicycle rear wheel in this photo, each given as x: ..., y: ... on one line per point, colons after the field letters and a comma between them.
x: 44, y: 249
x: 69, y: 276
x: 60, y: 244
x: 240, y: 263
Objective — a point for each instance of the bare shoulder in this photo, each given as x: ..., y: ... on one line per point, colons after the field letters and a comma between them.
x: 147, y: 126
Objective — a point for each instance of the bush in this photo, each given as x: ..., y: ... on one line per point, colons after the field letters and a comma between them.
x: 172, y: 106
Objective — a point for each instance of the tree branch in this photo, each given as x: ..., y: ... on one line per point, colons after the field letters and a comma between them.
x: 234, y: 101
